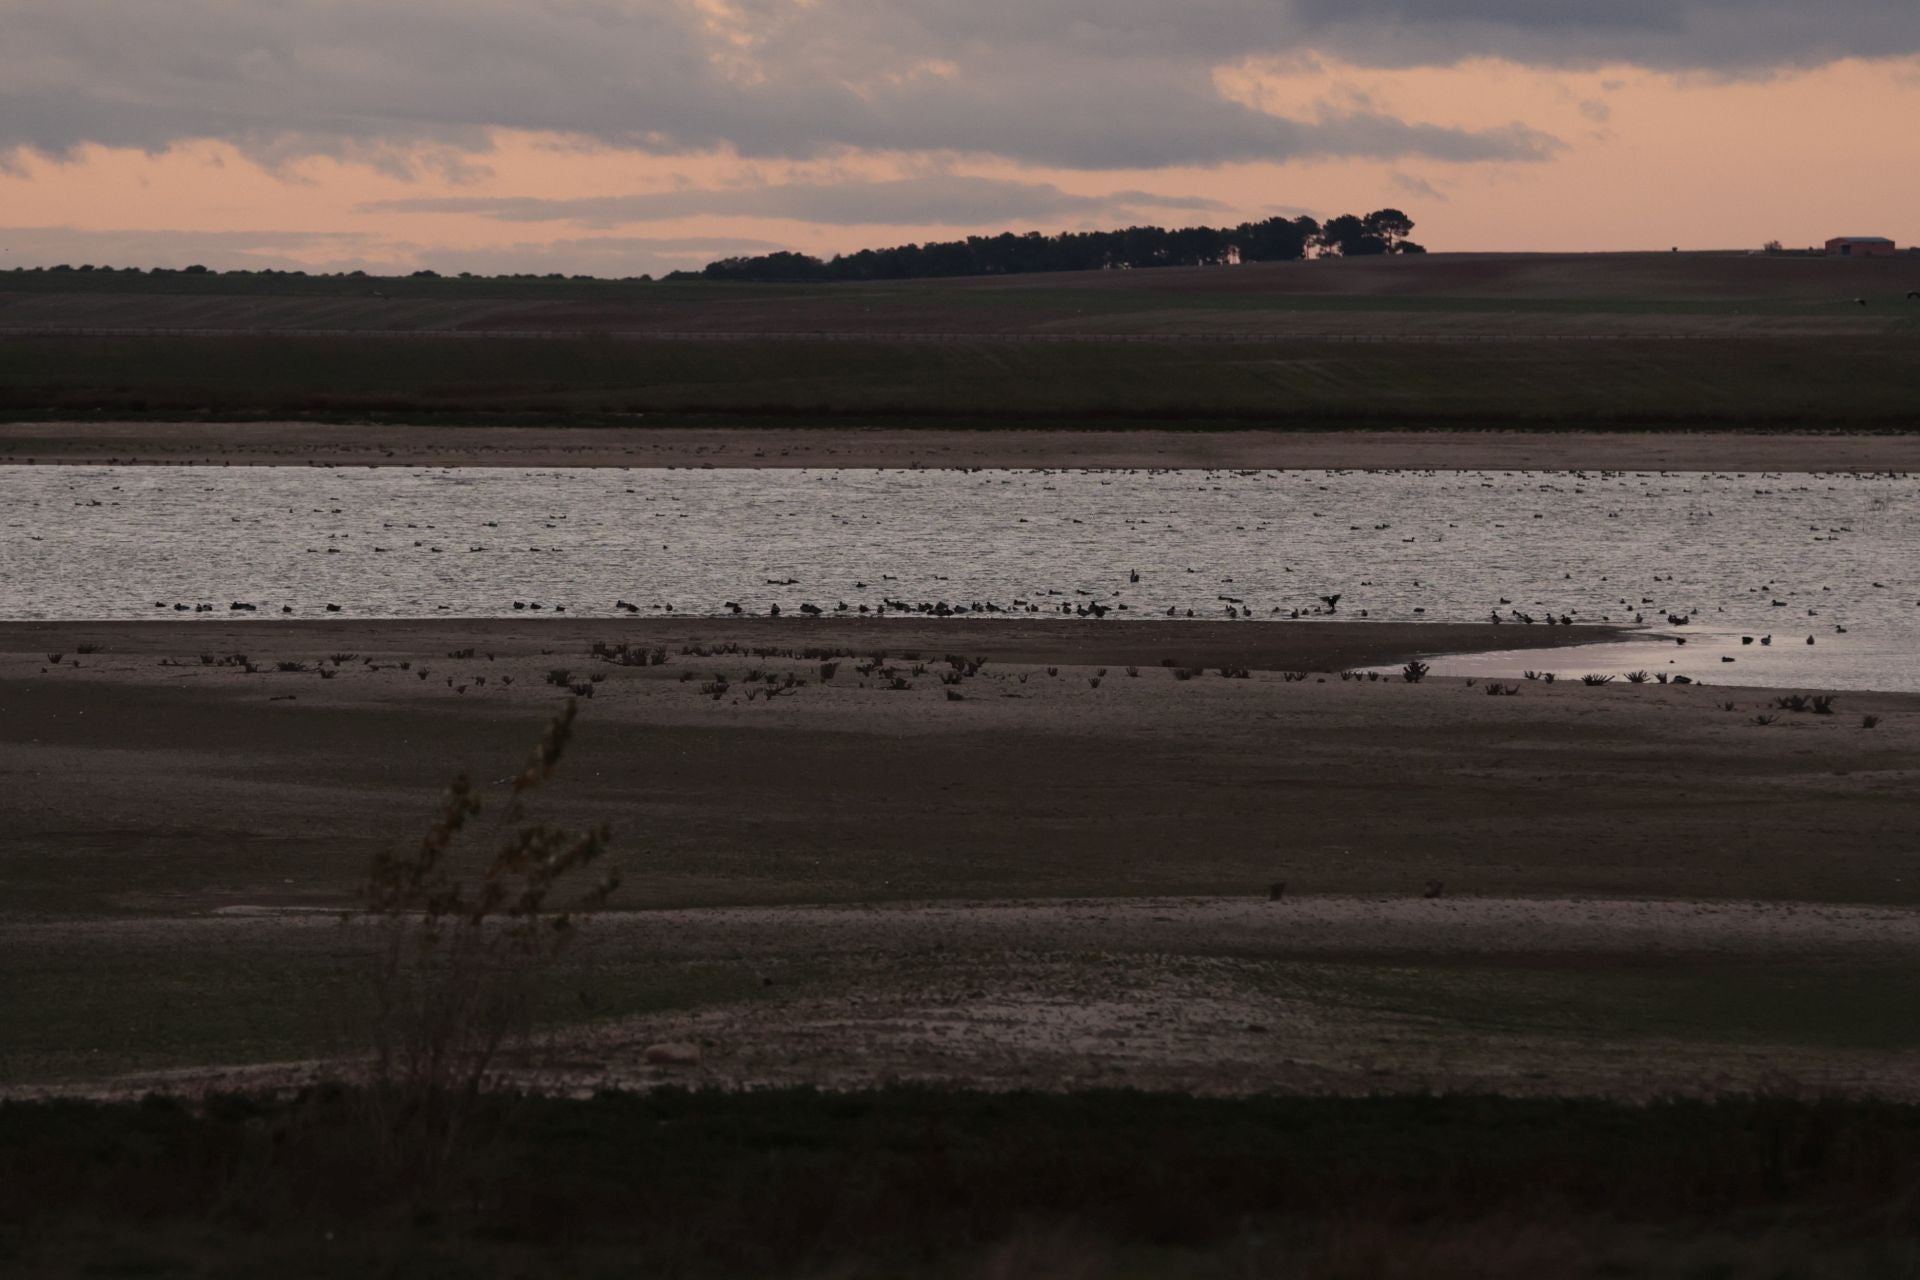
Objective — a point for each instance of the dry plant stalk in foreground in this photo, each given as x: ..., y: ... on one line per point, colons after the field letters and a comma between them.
x: 454, y: 977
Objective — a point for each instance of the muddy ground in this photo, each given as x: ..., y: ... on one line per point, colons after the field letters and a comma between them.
x: 1051, y: 872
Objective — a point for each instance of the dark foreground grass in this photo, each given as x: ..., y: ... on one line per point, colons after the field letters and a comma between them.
x: 1745, y: 382
x: 921, y: 1182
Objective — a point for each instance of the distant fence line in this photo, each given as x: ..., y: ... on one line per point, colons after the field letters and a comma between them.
x: 648, y: 335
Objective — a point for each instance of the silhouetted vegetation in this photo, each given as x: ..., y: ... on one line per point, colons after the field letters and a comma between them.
x: 1270, y: 240
x: 921, y: 1182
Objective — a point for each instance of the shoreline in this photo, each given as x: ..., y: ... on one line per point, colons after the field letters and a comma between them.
x: 1324, y: 646
x: 319, y: 444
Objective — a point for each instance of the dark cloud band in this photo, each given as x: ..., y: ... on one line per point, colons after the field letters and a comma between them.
x: 352, y: 77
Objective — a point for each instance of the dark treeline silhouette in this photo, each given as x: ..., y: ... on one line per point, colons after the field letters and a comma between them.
x: 1273, y: 240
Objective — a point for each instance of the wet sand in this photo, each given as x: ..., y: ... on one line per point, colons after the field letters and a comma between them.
x: 157, y: 775
x: 1052, y: 872
x: 1323, y: 994
x: 315, y: 444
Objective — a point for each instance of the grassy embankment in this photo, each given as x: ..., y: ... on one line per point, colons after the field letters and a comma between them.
x: 1733, y: 383
x: 1699, y: 341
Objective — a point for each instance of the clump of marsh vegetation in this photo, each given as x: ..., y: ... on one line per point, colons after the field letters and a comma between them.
x: 1639, y: 677
x: 1497, y: 690
x: 627, y: 655
x: 464, y: 932
x: 1820, y: 704
x: 1415, y: 671
x: 1595, y: 680
x: 1869, y: 721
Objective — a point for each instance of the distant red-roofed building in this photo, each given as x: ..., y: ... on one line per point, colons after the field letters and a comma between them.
x: 1860, y: 247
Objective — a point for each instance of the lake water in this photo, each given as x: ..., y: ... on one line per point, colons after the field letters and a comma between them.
x: 1786, y: 556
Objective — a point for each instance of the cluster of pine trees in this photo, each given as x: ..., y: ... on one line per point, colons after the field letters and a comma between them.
x: 1273, y: 240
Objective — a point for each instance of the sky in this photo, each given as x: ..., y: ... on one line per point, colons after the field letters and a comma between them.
x: 620, y: 137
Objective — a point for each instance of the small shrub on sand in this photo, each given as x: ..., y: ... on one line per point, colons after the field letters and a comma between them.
x: 1414, y: 672
x: 1869, y: 721
x: 454, y: 969
x: 1596, y: 680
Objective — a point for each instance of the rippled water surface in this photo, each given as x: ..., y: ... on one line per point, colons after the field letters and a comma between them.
x: 1786, y: 556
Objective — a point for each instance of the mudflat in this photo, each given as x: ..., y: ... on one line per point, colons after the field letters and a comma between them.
x: 1051, y: 869
x: 840, y: 445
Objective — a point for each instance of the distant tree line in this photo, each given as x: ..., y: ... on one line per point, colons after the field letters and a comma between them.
x: 1273, y: 240
x: 268, y: 273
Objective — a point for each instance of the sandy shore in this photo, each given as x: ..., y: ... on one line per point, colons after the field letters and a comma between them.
x: 155, y: 773
x: 1225, y: 996
x: 298, y: 444
x: 1051, y: 872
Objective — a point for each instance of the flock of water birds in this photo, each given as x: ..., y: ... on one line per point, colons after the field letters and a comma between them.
x: 1645, y: 549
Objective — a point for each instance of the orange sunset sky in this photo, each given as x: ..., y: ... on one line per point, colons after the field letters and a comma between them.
x: 625, y: 136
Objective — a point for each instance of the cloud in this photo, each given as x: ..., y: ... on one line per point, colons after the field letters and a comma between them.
x: 1729, y: 36
x: 934, y: 200
x: 1084, y: 84
x: 1414, y: 185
